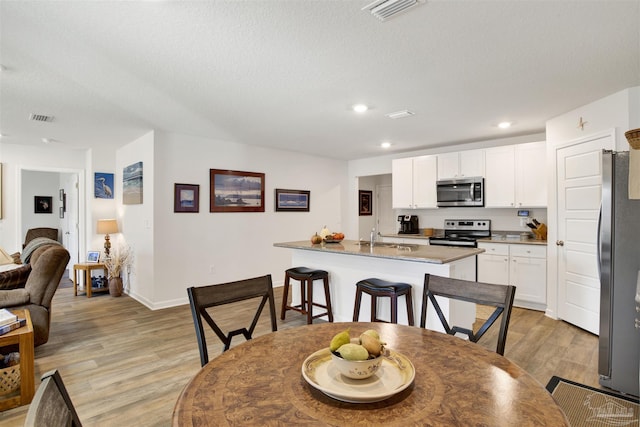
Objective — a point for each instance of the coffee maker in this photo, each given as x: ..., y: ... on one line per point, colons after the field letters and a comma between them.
x: 408, y: 224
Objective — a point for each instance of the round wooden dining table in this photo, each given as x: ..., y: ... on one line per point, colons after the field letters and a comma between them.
x: 454, y: 383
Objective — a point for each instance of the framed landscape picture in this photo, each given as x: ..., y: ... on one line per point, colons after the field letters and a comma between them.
x: 186, y: 198
x: 292, y: 200
x: 235, y: 191
x: 365, y: 203
x: 43, y: 204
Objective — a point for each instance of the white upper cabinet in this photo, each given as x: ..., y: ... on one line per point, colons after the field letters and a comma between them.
x: 516, y: 176
x: 531, y: 174
x: 414, y: 182
x: 499, y: 177
x: 461, y: 164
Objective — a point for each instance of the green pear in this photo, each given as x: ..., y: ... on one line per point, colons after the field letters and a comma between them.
x: 353, y: 352
x: 339, y: 339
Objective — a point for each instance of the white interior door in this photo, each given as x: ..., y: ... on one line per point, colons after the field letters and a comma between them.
x: 387, y: 220
x: 70, y: 222
x: 579, y: 186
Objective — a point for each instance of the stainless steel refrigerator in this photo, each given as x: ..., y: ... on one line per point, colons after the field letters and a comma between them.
x: 619, y: 263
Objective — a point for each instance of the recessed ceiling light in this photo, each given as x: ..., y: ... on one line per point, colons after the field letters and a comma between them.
x: 505, y: 125
x: 385, y: 144
x: 360, y: 108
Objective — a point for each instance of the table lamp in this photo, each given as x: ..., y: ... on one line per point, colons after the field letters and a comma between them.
x: 106, y: 227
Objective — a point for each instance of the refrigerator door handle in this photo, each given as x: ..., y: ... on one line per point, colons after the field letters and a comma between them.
x: 599, y: 243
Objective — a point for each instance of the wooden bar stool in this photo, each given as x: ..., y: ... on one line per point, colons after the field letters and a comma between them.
x: 306, y: 276
x: 382, y: 288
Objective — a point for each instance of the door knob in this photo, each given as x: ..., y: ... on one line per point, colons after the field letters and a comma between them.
x: 559, y: 242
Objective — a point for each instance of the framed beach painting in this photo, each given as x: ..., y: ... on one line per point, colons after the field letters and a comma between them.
x: 292, y: 200
x: 132, y: 184
x: 236, y: 191
x: 186, y: 198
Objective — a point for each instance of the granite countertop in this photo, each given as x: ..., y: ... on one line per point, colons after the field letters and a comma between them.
x: 402, y: 252
x: 513, y: 240
x: 501, y: 237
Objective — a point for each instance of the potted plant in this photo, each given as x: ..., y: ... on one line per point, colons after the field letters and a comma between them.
x: 118, y: 259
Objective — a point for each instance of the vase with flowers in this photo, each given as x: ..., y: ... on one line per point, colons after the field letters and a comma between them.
x: 119, y: 259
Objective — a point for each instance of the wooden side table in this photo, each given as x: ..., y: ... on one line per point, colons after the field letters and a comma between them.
x: 24, y: 338
x: 87, y: 267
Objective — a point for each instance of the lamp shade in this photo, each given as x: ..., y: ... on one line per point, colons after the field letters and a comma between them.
x: 107, y: 226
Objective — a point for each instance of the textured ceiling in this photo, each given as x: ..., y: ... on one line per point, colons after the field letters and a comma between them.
x: 284, y: 74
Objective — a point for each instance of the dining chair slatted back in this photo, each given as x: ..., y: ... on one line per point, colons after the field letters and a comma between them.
x: 498, y: 296
x: 204, y: 297
x: 51, y: 405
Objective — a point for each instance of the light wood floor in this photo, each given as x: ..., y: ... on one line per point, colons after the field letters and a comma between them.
x: 124, y: 364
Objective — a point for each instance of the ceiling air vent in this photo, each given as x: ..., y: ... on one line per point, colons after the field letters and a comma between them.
x: 400, y: 114
x: 40, y: 118
x: 386, y: 9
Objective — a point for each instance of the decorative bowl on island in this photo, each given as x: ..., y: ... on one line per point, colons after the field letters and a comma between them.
x: 334, y: 238
x: 357, y: 369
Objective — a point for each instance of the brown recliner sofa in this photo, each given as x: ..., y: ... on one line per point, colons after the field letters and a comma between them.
x: 48, y: 264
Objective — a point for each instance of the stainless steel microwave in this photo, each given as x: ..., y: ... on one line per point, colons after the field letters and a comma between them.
x: 461, y: 192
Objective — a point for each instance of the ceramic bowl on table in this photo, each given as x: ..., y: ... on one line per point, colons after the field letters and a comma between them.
x: 356, y: 369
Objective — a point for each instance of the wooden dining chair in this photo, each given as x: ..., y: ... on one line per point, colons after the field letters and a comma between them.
x: 498, y: 296
x: 51, y: 405
x: 204, y: 297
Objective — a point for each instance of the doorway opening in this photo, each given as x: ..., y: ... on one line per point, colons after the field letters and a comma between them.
x: 64, y: 189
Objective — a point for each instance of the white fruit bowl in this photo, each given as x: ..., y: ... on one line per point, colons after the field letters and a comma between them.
x: 356, y: 369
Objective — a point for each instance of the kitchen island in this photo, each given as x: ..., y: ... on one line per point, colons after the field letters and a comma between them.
x: 350, y: 261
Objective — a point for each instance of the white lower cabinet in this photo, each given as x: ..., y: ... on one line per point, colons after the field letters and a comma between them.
x: 521, y: 265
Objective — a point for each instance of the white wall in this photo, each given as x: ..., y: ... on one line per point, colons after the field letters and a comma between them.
x: 178, y: 250
x: 136, y: 222
x: 618, y: 112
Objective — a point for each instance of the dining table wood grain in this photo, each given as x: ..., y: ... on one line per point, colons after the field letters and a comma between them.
x: 457, y: 383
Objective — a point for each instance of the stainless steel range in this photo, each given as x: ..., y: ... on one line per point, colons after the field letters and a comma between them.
x: 463, y: 232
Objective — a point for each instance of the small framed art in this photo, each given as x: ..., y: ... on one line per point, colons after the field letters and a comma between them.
x: 365, y: 205
x: 292, y: 200
x: 43, y: 204
x: 93, y: 256
x: 186, y: 198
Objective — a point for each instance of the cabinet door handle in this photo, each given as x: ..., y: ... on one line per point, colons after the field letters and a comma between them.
x: 559, y: 242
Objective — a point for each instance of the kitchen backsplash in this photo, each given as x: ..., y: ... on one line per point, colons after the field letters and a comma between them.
x: 501, y: 219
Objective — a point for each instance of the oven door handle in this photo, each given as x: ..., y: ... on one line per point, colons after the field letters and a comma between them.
x: 471, y: 192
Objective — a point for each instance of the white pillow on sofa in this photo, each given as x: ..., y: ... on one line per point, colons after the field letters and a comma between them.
x: 5, y: 258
